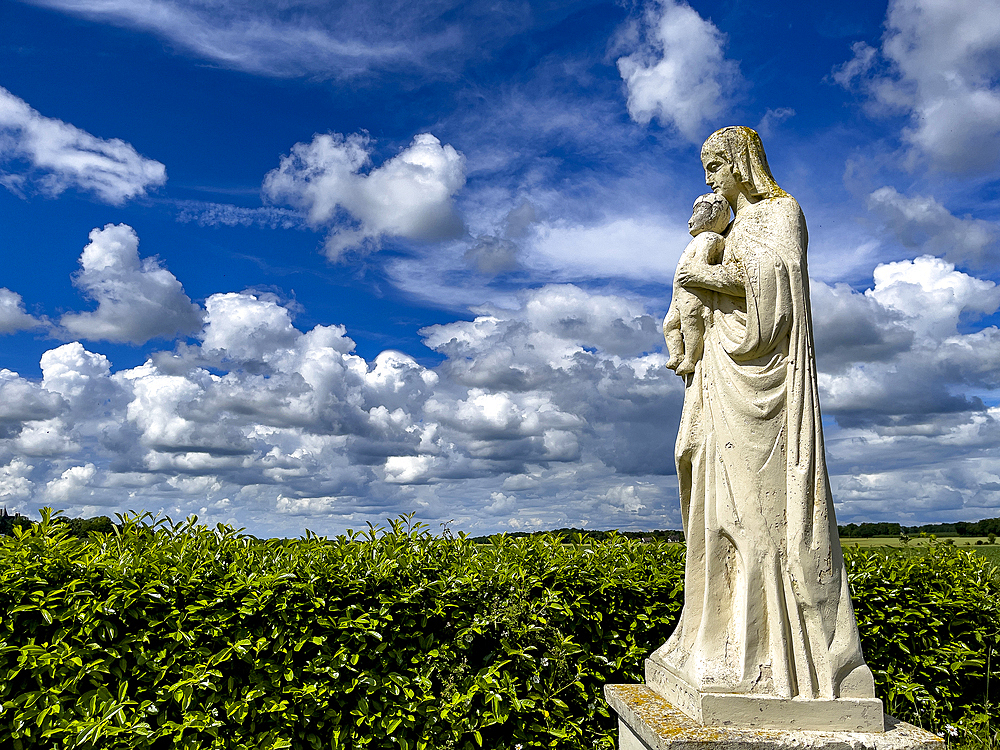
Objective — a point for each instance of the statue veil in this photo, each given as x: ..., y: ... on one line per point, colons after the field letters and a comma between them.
x: 741, y: 147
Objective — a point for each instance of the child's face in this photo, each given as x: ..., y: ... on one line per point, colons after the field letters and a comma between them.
x: 707, y: 217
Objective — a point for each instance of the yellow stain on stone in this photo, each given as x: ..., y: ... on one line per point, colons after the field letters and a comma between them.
x: 672, y: 725
x: 667, y: 721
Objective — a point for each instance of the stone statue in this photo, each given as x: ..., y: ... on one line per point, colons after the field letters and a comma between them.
x: 767, y: 629
x: 684, y: 328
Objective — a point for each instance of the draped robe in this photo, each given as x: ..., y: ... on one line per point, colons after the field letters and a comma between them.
x: 767, y: 606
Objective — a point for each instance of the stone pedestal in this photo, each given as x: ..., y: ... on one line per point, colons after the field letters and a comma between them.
x: 764, y: 711
x: 646, y: 721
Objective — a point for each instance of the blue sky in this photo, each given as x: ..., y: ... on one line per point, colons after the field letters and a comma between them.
x: 307, y: 265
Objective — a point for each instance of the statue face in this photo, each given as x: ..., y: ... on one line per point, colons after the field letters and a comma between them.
x: 719, y: 176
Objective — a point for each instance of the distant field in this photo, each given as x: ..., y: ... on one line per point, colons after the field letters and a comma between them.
x: 989, y: 551
x: 893, y: 541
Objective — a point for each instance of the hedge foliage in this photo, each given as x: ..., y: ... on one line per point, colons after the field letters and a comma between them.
x: 164, y: 635
x: 930, y: 628
x: 172, y: 635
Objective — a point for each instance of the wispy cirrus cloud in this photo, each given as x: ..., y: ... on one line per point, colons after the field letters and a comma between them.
x: 327, y: 40
x: 210, y: 214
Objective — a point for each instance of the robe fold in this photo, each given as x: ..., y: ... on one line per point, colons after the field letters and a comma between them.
x: 767, y: 605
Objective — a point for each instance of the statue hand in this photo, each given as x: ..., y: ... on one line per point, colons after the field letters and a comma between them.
x: 719, y: 278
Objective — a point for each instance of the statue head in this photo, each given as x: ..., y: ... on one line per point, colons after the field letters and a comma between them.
x: 709, y: 214
x: 740, y: 148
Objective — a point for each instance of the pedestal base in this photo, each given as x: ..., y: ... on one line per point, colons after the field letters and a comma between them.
x: 646, y: 721
x: 765, y: 711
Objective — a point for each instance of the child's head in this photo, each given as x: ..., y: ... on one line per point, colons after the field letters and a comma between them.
x: 710, y: 214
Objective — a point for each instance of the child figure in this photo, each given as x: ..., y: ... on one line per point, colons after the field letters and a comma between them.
x: 684, y: 327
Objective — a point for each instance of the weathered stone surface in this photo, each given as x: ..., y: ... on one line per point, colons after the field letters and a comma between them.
x: 648, y: 722
x: 765, y: 711
x: 684, y: 327
x: 767, y: 623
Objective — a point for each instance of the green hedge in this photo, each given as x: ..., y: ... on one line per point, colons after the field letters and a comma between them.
x: 164, y: 635
x: 930, y: 627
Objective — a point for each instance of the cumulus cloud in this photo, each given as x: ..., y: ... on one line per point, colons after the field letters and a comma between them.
x: 15, y: 483
x: 939, y: 63
x: 24, y: 401
x: 913, y: 364
x: 913, y: 434
x: 932, y: 295
x: 626, y: 496
x: 71, y: 485
x: 850, y: 327
x: 577, y: 355
x: 51, y: 156
x: 921, y: 222
x: 244, y: 328
x: 678, y: 72
x: 567, y: 391
x: 554, y: 412
x: 13, y: 317
x: 408, y: 196
x: 137, y: 300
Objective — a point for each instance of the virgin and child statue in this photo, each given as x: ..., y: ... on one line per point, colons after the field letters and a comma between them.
x: 767, y: 635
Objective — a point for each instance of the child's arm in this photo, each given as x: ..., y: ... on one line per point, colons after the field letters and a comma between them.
x: 712, y: 248
x: 698, y: 272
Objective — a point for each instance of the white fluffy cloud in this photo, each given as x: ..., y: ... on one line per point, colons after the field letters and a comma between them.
x: 562, y: 393
x: 921, y: 365
x: 72, y: 485
x: 52, y: 155
x: 943, y: 61
x: 678, y: 71
x: 24, y: 401
x: 408, y: 196
x: 639, y: 248
x: 15, y: 483
x: 921, y: 222
x: 933, y: 295
x: 558, y: 411
x: 137, y: 300
x: 13, y: 317
x: 906, y: 385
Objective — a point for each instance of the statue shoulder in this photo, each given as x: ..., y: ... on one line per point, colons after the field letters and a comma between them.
x: 785, y: 211
x: 784, y: 205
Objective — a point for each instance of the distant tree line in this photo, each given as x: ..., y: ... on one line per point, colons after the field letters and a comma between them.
x: 986, y: 527
x: 78, y: 527
x: 81, y: 527
x: 9, y: 522
x: 868, y: 530
x: 657, y: 535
